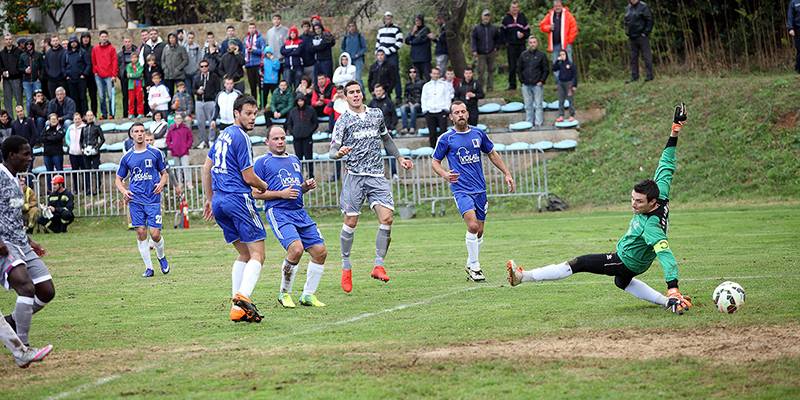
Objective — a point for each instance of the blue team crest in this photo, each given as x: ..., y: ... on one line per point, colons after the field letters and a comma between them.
x: 296, y: 167
x: 148, y: 163
x: 476, y: 143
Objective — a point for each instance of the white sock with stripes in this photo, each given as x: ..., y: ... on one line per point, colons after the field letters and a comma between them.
x: 551, y: 272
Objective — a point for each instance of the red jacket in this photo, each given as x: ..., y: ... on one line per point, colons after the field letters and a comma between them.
x: 569, y: 28
x: 320, y: 93
x: 104, y: 61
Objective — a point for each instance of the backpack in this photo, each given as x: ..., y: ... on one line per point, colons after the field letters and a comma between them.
x: 554, y: 203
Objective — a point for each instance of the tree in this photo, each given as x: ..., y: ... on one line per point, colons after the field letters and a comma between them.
x: 55, y: 9
x: 15, y: 15
x: 454, y: 13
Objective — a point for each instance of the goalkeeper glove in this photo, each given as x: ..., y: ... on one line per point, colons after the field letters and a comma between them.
x: 677, y: 302
x: 679, y: 119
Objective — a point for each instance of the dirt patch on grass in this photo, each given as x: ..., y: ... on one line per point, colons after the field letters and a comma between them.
x: 788, y: 120
x: 742, y: 344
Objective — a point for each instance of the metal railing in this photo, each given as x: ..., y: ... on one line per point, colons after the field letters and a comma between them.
x: 97, y: 196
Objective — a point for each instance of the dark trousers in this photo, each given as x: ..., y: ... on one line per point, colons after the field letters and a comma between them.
x: 91, y: 87
x: 437, y: 125
x: 398, y: 87
x: 76, y: 90
x: 253, y: 80
x: 123, y: 84
x: 266, y: 90
x: 473, y: 114
x: 304, y: 150
x: 797, y: 48
x: 93, y: 179
x: 641, y: 45
x: 604, y: 264
x: 59, y: 222
x: 76, y: 162
x: 52, y: 85
x: 513, y: 51
x: 170, y: 84
x: 323, y: 67
x: 424, y: 70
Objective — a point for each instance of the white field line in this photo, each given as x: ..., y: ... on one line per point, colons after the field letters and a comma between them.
x: 359, y: 317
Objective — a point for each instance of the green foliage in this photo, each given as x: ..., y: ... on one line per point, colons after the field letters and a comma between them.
x: 737, y: 145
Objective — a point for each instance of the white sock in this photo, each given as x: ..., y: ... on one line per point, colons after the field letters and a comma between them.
x: 473, y: 250
x: 552, y: 272
x: 10, y: 339
x: 288, y: 272
x: 646, y: 293
x: 313, y: 276
x: 250, y: 277
x: 236, y: 276
x: 160, y: 248
x: 144, y: 250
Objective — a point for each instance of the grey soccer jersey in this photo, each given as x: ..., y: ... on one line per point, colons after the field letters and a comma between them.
x: 363, y: 133
x: 11, y: 202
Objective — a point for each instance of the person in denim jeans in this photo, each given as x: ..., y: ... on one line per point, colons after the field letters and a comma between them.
x: 105, y: 68
x: 411, y: 105
x: 31, y: 63
x: 533, y: 69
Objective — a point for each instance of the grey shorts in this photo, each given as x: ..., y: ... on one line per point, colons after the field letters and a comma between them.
x: 24, y: 255
x: 356, y: 188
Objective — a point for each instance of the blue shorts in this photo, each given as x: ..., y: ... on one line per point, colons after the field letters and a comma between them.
x: 146, y: 215
x: 472, y: 201
x: 236, y: 214
x: 291, y: 225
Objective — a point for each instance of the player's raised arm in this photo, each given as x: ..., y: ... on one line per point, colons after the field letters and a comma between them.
x: 667, y: 165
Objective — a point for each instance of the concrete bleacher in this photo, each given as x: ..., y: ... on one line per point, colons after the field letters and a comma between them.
x: 498, y: 126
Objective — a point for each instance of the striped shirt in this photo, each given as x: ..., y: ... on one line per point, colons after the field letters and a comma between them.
x: 390, y: 39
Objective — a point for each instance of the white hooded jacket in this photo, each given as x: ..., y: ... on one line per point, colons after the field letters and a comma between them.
x: 344, y: 74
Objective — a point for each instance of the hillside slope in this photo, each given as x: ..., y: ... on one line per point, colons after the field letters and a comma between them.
x: 742, y: 141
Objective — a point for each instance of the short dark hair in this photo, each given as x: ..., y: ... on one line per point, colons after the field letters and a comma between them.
x: 12, y: 145
x: 242, y: 100
x: 436, y: 68
x: 351, y: 83
x: 283, y: 80
x: 647, y: 187
x: 227, y: 78
x: 377, y: 85
x: 304, y: 23
x: 209, y: 33
x: 468, y: 68
x: 102, y: 32
x: 277, y: 15
x: 135, y: 124
x: 320, y: 73
x: 457, y: 103
x: 161, y: 113
x: 307, y: 79
x: 155, y: 74
x: 230, y: 27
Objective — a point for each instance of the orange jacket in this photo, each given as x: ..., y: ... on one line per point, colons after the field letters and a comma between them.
x: 569, y: 28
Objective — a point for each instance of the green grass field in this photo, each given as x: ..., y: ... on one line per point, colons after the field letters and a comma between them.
x: 429, y: 332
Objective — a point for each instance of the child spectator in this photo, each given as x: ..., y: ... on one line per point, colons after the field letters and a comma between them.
x: 134, y: 73
x: 567, y: 82
x: 182, y: 101
x: 158, y: 96
x: 269, y: 75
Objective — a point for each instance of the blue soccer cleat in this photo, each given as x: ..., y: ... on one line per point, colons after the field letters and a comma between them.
x: 148, y: 273
x: 164, y: 265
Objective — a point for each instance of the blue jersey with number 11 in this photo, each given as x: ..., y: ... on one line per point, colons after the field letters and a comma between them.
x: 231, y: 154
x: 145, y: 169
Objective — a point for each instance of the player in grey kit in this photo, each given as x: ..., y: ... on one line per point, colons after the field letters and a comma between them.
x: 358, y: 134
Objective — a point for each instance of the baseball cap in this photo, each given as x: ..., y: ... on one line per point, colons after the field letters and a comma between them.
x: 388, y: 14
x: 485, y: 12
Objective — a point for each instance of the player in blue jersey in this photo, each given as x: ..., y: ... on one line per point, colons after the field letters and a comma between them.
x: 228, y: 180
x: 290, y: 222
x: 147, y: 170
x: 462, y: 145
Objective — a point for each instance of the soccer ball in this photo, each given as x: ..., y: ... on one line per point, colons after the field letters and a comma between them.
x: 729, y: 297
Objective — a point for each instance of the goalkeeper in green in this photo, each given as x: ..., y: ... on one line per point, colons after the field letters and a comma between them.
x: 645, y: 240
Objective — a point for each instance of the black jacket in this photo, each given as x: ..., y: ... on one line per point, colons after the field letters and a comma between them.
x: 413, y: 91
x: 389, y: 111
x: 322, y: 45
x: 420, y: 45
x: 566, y: 72
x: 38, y: 110
x: 485, y: 38
x: 638, y: 20
x: 533, y: 67
x: 473, y: 86
x: 510, y: 28
x: 383, y: 74
x: 64, y: 110
x: 52, y: 63
x: 61, y: 201
x: 441, y: 42
x: 25, y: 128
x: 77, y: 63
x: 34, y: 60
x: 123, y: 59
x: 156, y: 51
x: 92, y: 136
x: 301, y: 123
x: 53, y: 140
x: 232, y: 65
x: 307, y: 50
x: 214, y: 60
x: 9, y: 61
x: 211, y: 86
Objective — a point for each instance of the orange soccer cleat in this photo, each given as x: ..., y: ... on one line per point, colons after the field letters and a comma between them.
x: 347, y: 280
x: 379, y: 273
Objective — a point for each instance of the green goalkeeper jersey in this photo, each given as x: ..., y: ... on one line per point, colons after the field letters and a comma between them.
x: 646, y: 237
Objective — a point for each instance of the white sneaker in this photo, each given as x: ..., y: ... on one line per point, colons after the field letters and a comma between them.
x: 202, y: 145
x: 32, y: 355
x: 475, y: 275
